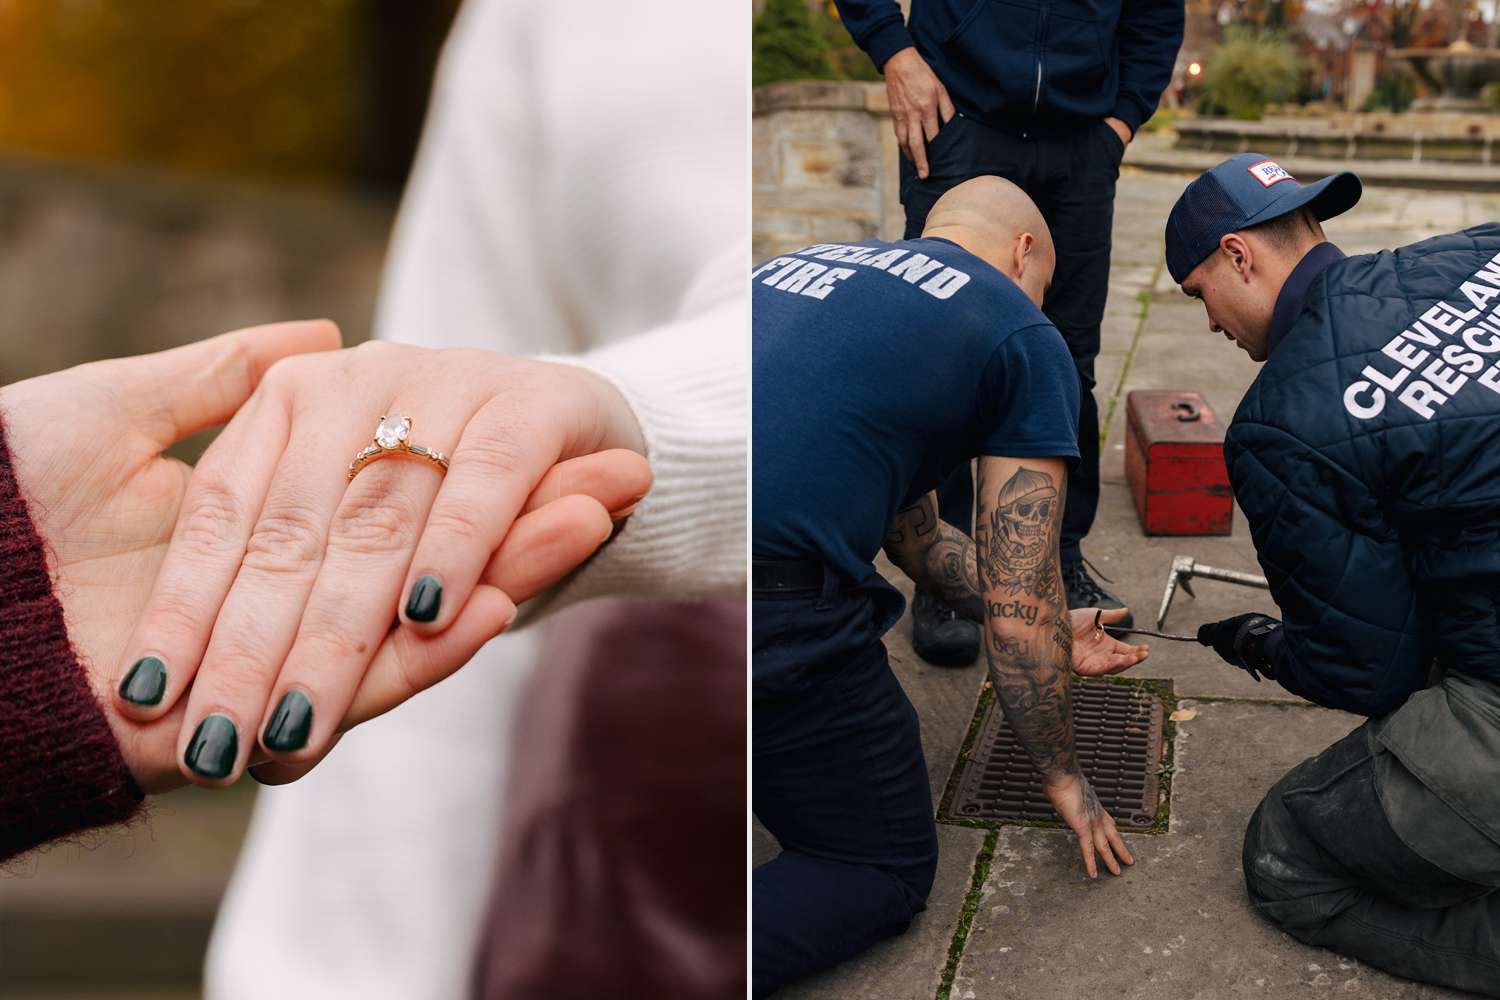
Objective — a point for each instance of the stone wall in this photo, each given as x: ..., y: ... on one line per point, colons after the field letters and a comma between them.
x: 1413, y: 137
x: 824, y: 165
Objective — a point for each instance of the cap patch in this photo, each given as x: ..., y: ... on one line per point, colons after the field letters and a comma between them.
x: 1268, y: 172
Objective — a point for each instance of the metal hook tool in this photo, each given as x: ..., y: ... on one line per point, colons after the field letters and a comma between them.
x: 1119, y: 630
x: 1184, y: 569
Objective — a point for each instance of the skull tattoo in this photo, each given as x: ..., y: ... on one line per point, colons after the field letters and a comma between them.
x: 1019, y: 527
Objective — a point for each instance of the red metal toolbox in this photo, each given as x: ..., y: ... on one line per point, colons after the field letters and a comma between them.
x: 1174, y: 460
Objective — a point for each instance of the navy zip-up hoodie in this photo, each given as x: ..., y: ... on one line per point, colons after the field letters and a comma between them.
x: 1033, y: 66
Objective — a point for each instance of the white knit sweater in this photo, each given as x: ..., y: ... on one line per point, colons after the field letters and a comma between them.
x: 582, y: 187
x: 582, y: 193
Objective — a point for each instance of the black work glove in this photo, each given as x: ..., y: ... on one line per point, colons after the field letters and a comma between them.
x: 1241, y: 641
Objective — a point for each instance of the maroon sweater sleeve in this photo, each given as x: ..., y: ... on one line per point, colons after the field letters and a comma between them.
x: 60, y: 768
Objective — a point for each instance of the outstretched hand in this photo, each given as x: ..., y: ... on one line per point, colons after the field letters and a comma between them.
x: 1095, y: 651
x: 1074, y: 799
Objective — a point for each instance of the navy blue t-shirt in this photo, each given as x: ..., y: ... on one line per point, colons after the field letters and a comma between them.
x: 877, y: 369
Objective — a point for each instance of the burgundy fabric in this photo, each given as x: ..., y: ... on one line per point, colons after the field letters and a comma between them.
x: 60, y: 768
x: 622, y: 868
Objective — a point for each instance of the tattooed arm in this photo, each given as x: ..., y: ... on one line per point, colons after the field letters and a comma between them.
x: 1029, y: 637
x: 936, y: 555
x: 940, y: 559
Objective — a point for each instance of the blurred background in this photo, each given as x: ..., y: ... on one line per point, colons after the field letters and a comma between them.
x: 1408, y: 90
x: 168, y: 171
x: 1240, y: 58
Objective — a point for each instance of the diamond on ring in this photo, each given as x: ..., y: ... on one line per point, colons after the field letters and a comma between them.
x: 393, y: 437
x: 391, y: 431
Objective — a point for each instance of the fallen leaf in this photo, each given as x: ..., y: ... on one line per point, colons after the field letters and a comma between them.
x: 1184, y: 715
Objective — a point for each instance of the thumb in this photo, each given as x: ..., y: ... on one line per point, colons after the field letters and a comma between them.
x: 945, y: 104
x: 177, y: 393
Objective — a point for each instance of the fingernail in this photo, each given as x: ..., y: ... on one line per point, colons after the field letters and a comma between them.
x: 290, y: 723
x: 426, y: 595
x: 146, y: 682
x: 214, y: 746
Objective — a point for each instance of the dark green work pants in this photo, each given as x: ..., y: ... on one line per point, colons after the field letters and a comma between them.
x: 1323, y: 863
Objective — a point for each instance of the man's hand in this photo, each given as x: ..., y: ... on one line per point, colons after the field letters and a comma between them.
x: 919, y: 104
x: 1074, y: 799
x: 1240, y: 641
x: 1121, y: 129
x: 1095, y: 651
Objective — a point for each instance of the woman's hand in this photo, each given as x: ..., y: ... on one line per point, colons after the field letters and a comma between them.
x: 1095, y: 651
x: 284, y: 577
x: 87, y: 447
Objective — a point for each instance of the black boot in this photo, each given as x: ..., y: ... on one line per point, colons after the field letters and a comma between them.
x: 940, y: 636
x: 1084, y: 591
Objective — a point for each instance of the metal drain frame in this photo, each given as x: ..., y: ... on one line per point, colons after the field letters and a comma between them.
x: 1120, y: 736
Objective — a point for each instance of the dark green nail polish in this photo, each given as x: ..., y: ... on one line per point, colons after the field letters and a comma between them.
x: 146, y: 681
x: 426, y: 595
x: 290, y: 723
x: 214, y: 746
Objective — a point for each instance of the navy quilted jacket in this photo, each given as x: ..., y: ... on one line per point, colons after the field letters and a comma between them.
x: 1366, y: 456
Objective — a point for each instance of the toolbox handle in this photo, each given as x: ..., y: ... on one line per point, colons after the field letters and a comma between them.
x: 1189, y: 412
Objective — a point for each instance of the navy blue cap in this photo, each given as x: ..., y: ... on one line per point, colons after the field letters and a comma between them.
x: 1241, y: 192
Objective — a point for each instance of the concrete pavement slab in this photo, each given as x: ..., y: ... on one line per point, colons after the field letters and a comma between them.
x: 1138, y: 567
x: 1483, y: 208
x: 1196, y: 360
x: 1431, y: 213
x: 1177, y: 926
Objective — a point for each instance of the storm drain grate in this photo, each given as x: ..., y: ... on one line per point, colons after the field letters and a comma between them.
x: 1118, y: 732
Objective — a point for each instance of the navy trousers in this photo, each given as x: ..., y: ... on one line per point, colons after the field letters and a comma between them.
x: 1072, y: 180
x: 839, y: 779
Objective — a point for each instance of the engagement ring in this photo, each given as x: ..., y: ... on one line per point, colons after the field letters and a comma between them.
x: 391, y: 438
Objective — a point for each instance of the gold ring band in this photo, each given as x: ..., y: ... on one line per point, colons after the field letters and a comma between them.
x: 392, y: 436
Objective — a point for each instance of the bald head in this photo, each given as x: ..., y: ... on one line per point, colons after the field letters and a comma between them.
x: 997, y: 222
